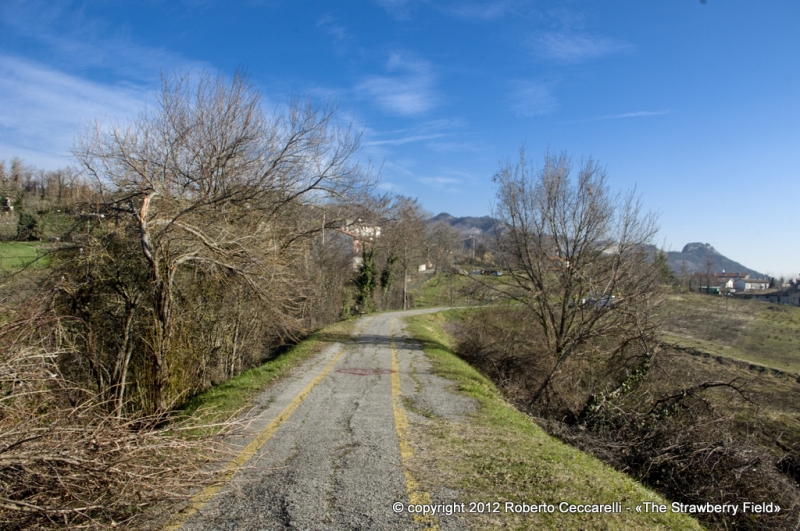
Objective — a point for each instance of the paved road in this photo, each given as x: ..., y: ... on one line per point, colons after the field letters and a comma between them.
x: 337, y: 462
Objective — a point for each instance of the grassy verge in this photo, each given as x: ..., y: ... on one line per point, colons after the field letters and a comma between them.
x: 230, y: 398
x: 499, y: 454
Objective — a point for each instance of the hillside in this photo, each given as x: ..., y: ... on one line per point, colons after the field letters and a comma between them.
x: 693, y: 258
x: 468, y: 225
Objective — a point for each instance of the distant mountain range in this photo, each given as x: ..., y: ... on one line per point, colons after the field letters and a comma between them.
x: 692, y: 258
x: 469, y: 226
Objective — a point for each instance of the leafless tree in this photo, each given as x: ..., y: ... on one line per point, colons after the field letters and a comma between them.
x: 577, y: 259
x: 709, y: 265
x: 443, y: 244
x: 211, y: 184
x: 404, y: 240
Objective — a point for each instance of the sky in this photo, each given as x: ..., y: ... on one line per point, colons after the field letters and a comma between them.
x: 693, y: 104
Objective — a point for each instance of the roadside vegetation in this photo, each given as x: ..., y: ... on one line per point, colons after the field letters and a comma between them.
x: 589, y: 338
x: 500, y: 454
x: 696, y: 428
x: 143, y: 290
x: 212, y: 408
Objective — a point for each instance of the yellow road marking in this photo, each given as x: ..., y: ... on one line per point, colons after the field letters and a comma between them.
x: 201, y: 498
x: 415, y: 494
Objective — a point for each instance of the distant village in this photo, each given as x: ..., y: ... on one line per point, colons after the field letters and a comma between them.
x: 740, y: 285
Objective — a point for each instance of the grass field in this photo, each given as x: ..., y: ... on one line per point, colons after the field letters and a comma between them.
x: 16, y: 255
x: 449, y: 289
x: 499, y: 454
x: 753, y: 331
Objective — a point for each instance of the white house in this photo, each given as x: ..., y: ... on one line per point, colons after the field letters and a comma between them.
x: 747, y: 284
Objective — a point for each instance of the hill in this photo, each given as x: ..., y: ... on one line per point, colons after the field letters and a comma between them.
x: 693, y: 258
x: 468, y: 225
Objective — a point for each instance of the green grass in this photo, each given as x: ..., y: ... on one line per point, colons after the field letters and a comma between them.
x: 16, y: 255
x: 229, y: 399
x: 500, y: 454
x: 450, y: 289
x: 752, y: 331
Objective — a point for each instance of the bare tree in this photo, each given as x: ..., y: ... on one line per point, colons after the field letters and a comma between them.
x: 709, y: 265
x: 212, y: 184
x: 404, y: 240
x: 577, y: 259
x: 443, y: 243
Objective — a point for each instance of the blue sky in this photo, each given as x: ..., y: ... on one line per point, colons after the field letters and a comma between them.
x: 695, y: 104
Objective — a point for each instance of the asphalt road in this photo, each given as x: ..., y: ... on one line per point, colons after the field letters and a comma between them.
x: 327, y: 445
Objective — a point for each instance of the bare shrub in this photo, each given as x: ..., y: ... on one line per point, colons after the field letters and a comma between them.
x: 643, y: 416
x: 65, y: 462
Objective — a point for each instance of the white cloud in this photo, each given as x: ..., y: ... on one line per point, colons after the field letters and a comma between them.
x: 329, y: 24
x: 399, y: 9
x: 455, y: 147
x: 574, y: 48
x: 409, y: 92
x: 77, y: 42
x: 621, y: 116
x: 483, y: 10
x: 533, y: 99
x: 439, y: 182
x: 636, y: 114
x: 402, y: 140
x: 42, y: 109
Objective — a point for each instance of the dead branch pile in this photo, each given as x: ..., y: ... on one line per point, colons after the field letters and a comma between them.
x: 65, y: 462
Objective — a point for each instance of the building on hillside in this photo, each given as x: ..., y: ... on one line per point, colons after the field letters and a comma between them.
x: 712, y: 283
x: 363, y: 234
x: 727, y: 281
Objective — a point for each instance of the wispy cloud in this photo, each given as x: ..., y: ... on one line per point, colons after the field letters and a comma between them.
x: 622, y: 116
x: 409, y: 91
x: 399, y: 9
x: 633, y: 114
x: 486, y: 10
x: 439, y: 182
x: 401, y: 141
x: 77, y: 42
x: 42, y: 109
x: 330, y: 25
x: 531, y: 98
x: 455, y: 147
x: 569, y: 47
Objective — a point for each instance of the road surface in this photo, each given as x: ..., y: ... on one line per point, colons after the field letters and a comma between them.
x: 327, y: 448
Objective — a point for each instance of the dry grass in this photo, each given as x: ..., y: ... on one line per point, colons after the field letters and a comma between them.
x: 753, y: 331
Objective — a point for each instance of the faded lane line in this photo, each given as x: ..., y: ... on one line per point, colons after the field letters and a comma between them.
x: 415, y: 494
x: 201, y: 498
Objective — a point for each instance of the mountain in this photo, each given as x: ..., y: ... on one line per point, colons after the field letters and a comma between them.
x: 469, y: 225
x: 693, y: 258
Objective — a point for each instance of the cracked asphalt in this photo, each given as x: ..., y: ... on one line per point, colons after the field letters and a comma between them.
x: 335, y: 463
